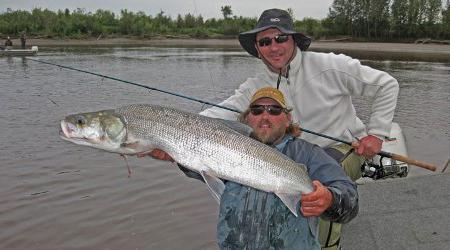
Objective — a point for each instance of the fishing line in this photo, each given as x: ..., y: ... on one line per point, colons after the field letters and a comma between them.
x: 52, y: 101
x: 135, y: 84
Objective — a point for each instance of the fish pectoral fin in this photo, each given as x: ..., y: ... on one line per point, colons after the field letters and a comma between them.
x: 214, y: 184
x: 291, y: 201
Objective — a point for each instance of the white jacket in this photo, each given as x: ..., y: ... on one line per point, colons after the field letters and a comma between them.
x: 319, y: 91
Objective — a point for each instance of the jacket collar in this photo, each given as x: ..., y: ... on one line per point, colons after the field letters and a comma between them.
x: 287, y: 138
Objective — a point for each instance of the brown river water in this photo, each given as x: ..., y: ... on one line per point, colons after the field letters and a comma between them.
x: 57, y: 195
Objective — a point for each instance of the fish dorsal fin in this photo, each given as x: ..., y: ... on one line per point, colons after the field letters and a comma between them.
x: 291, y: 201
x: 214, y: 184
x: 237, y: 126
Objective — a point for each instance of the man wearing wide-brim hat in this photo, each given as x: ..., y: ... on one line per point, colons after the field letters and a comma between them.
x: 319, y: 87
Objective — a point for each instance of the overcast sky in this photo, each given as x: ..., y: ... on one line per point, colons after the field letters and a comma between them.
x: 206, y: 8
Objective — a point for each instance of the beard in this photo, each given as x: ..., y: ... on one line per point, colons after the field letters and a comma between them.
x: 268, y: 134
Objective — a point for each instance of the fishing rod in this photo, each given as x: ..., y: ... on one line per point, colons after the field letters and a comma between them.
x: 381, y: 153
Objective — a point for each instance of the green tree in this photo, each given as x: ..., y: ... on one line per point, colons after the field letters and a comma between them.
x: 126, y: 22
x: 310, y: 26
x: 431, y: 17
x: 446, y: 21
x: 343, y: 14
x: 432, y: 11
x: 291, y: 13
x: 399, y: 17
x: 226, y: 11
x: 414, y: 17
x: 378, y: 17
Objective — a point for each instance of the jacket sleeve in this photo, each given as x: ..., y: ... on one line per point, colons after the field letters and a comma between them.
x: 239, y: 101
x: 344, y: 207
x: 383, y: 88
x: 325, y: 169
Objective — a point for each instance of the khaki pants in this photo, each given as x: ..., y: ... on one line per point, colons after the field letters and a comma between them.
x: 330, y: 232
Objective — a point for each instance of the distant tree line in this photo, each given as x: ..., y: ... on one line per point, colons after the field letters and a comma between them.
x: 79, y: 24
x: 389, y: 19
x: 382, y: 20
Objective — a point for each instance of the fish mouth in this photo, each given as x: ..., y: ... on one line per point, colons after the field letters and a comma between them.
x: 61, y: 134
x: 64, y: 131
x: 68, y: 132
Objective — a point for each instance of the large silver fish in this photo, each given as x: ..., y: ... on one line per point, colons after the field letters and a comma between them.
x: 205, y: 145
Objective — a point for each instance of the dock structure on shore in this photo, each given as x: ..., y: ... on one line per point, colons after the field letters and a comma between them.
x: 19, y: 52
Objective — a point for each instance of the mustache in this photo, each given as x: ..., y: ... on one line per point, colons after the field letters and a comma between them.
x: 264, y: 122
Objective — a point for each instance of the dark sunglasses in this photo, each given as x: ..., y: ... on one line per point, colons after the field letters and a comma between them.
x: 271, y: 109
x: 266, y: 41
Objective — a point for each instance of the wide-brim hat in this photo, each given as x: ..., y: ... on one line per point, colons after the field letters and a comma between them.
x: 273, y: 18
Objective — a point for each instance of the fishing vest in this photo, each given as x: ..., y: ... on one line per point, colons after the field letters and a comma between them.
x: 254, y: 219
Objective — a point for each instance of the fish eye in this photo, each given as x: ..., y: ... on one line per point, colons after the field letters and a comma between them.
x: 80, y: 120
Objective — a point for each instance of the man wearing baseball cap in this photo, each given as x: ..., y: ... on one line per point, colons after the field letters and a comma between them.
x: 253, y: 219
x: 319, y: 88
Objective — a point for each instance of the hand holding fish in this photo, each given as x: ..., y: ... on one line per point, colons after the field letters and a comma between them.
x: 316, y: 202
x: 368, y: 146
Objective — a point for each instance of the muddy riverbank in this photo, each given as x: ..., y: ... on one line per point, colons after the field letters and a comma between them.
x: 373, y: 51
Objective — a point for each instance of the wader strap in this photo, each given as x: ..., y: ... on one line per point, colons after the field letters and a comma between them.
x: 330, y: 230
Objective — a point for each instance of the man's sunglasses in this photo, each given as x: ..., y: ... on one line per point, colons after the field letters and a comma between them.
x: 271, y: 109
x: 266, y: 41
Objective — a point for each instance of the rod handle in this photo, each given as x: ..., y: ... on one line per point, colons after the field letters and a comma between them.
x: 402, y: 158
